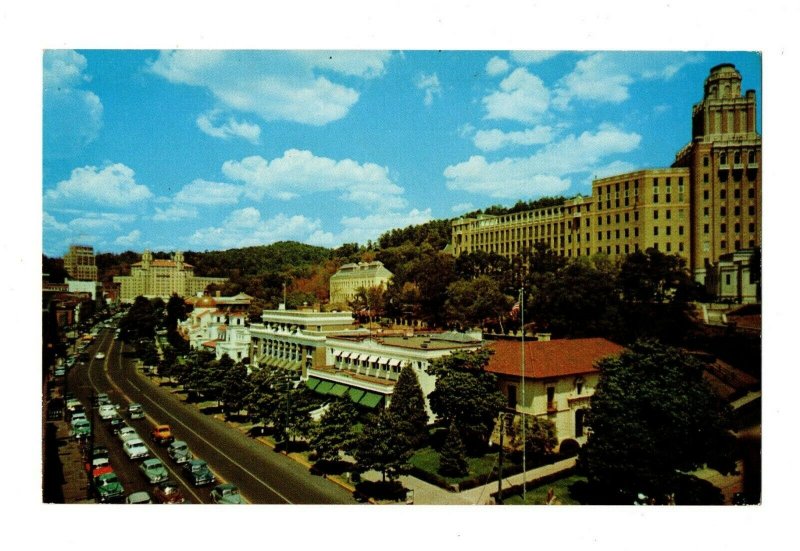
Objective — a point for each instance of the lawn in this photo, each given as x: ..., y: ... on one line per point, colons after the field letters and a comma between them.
x: 538, y: 495
x: 427, y: 459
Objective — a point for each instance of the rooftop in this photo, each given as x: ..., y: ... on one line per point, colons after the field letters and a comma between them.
x: 545, y: 359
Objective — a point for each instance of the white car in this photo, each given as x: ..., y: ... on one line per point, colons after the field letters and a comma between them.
x: 99, y: 356
x: 128, y: 433
x: 107, y: 412
x: 135, y: 449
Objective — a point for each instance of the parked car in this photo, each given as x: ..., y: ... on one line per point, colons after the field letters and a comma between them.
x: 116, y: 423
x: 226, y: 494
x: 81, y: 428
x: 135, y: 411
x: 100, y: 399
x: 154, y: 470
x: 99, y: 451
x: 108, y: 488
x: 139, y: 498
x: 135, y: 449
x: 59, y: 372
x: 179, y: 452
x: 77, y: 416
x: 168, y: 492
x: 127, y: 433
x: 162, y: 435
x: 198, y: 473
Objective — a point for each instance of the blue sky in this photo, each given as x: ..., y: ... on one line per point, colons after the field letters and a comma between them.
x: 216, y: 149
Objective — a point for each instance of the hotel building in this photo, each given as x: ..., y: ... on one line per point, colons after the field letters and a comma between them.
x: 708, y: 204
x: 152, y: 278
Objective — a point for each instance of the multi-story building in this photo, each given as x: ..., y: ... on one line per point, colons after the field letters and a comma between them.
x: 706, y: 205
x: 219, y: 324
x: 351, y: 277
x: 559, y: 378
x: 79, y: 263
x: 366, y: 367
x: 152, y: 278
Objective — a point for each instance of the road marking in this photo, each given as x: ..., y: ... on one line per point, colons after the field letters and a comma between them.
x: 276, y: 492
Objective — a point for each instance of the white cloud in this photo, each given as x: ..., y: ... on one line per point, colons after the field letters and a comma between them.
x: 532, y: 57
x: 63, y: 69
x: 544, y: 173
x: 245, y: 227
x: 174, y: 213
x: 595, y: 78
x: 462, y: 207
x: 49, y: 222
x: 113, y: 185
x: 274, y: 85
x: 430, y: 84
x: 203, y: 192
x: 522, y: 97
x: 362, y: 229
x: 230, y: 128
x: 301, y: 173
x: 496, y: 66
x: 93, y: 221
x: 129, y: 240
x: 492, y: 140
x: 72, y: 117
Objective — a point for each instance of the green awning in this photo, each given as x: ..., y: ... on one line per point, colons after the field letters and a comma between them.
x: 356, y: 394
x: 338, y: 390
x: 370, y: 399
x: 324, y: 387
x: 312, y: 382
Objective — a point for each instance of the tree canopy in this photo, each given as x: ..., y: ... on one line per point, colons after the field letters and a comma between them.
x: 653, y: 418
x: 408, y: 405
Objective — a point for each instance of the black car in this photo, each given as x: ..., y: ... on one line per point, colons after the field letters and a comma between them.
x: 198, y: 473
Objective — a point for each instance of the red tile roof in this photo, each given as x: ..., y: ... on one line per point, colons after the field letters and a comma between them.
x: 545, y: 359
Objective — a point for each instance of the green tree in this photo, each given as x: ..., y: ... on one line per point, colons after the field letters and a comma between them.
x: 470, y: 303
x: 452, y: 458
x: 236, y: 388
x: 176, y: 312
x: 653, y: 418
x: 466, y: 395
x: 383, y: 446
x: 278, y: 400
x: 335, y: 431
x: 408, y: 405
x: 577, y: 300
x: 139, y: 322
x: 540, y: 435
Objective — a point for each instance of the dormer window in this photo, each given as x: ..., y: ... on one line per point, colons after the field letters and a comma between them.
x: 579, y: 385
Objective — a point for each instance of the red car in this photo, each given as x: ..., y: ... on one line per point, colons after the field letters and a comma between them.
x: 99, y: 465
x: 168, y: 492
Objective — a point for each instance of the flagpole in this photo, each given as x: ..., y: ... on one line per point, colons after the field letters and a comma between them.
x: 522, y: 383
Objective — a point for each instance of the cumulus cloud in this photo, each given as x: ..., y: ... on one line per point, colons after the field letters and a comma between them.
x: 462, y: 207
x: 544, y: 173
x: 72, y: 117
x: 113, y: 185
x: 95, y: 221
x: 301, y: 173
x: 496, y: 66
x: 522, y: 97
x: 274, y: 85
x: 174, y: 213
x: 430, y: 84
x: 531, y: 57
x: 49, y: 222
x: 129, y: 240
x: 210, y: 124
x: 246, y: 227
x: 607, y: 76
x: 203, y: 192
x: 492, y: 140
x: 357, y: 229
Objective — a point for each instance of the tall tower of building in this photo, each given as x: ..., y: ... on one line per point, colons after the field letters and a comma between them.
x: 79, y: 263
x: 724, y: 160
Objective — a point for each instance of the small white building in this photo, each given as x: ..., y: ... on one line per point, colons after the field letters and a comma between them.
x: 219, y: 324
x: 559, y: 380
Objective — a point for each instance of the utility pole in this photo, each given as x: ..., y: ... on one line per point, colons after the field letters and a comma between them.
x: 499, y: 499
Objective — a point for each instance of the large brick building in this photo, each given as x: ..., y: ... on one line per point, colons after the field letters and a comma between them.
x: 706, y: 205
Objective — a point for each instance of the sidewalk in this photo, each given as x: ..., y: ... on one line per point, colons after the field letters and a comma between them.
x: 428, y: 494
